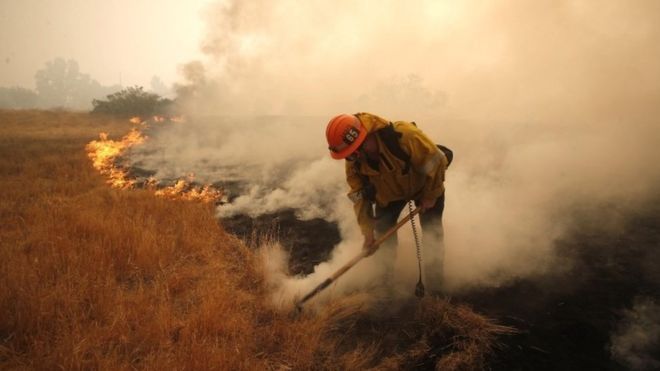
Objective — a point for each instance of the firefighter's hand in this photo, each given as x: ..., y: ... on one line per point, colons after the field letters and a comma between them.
x: 426, y: 204
x: 368, y: 244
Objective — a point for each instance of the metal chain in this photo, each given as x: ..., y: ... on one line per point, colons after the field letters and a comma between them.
x: 417, y: 244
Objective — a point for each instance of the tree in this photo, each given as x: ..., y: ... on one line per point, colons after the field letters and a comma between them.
x: 61, y: 84
x: 132, y: 101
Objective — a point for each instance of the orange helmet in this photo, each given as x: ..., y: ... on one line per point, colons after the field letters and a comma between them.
x: 345, y: 133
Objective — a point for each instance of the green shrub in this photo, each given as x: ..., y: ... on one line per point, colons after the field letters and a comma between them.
x: 132, y: 101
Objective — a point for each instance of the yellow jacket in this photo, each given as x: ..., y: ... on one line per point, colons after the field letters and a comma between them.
x: 424, y: 180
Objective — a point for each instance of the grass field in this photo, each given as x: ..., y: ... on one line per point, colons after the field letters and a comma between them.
x: 93, y: 277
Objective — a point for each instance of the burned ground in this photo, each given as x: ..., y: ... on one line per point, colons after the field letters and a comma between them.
x: 307, y: 242
x: 566, y: 321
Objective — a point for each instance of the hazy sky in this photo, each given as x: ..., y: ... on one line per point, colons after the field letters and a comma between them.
x: 134, y: 38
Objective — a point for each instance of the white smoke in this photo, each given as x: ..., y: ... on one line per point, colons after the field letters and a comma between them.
x: 546, y: 105
x: 635, y: 342
x: 312, y: 189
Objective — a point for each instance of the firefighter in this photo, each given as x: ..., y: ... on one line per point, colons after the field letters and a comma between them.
x: 387, y: 165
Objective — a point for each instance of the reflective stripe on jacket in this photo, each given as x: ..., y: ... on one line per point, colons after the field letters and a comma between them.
x: 424, y: 179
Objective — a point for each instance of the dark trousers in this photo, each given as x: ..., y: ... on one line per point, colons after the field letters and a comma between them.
x: 433, y: 250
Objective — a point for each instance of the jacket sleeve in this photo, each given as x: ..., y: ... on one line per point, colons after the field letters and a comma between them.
x: 426, y: 158
x: 360, y: 205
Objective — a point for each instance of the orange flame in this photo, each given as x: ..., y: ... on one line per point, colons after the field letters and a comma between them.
x: 104, y: 152
x: 183, y: 190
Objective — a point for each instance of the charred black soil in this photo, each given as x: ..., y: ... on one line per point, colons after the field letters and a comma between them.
x: 566, y: 321
x: 307, y: 242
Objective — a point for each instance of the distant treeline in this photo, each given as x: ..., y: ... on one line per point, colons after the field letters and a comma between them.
x: 60, y: 84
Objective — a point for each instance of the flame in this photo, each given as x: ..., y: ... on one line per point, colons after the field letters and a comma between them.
x: 135, y: 120
x: 184, y: 190
x: 104, y: 153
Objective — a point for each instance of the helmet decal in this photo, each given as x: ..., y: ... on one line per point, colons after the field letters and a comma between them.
x: 350, y: 135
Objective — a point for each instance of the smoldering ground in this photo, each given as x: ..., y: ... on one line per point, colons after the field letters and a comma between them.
x: 548, y: 106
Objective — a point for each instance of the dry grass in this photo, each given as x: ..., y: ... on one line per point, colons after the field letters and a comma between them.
x: 97, y: 278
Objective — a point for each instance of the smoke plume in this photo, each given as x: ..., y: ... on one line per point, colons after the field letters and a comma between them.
x: 547, y: 105
x: 636, y: 340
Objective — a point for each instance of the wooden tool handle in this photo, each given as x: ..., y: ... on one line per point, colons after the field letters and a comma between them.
x: 357, y: 258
